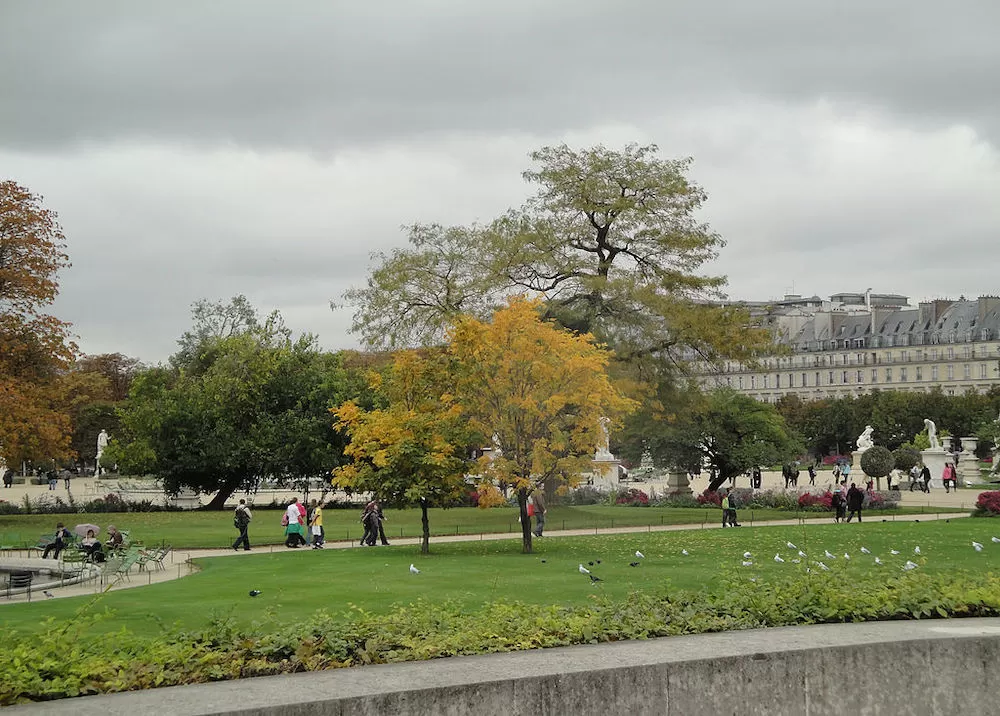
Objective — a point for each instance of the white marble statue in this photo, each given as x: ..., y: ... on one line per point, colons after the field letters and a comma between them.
x: 102, y: 442
x: 932, y: 434
x: 604, y: 446
x: 865, y: 439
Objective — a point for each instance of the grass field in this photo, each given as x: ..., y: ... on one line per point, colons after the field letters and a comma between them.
x: 199, y: 529
x: 295, y: 584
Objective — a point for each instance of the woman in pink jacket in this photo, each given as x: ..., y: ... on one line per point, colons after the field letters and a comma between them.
x: 949, y: 477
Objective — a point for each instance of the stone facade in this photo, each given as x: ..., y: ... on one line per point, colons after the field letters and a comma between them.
x: 855, y: 343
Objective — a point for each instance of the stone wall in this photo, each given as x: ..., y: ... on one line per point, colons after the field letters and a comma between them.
x: 898, y: 668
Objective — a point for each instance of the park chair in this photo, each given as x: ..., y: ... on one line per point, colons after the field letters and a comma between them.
x: 130, y: 559
x: 110, y: 570
x: 160, y: 555
x: 43, y: 542
x: 74, y: 561
x: 20, y: 580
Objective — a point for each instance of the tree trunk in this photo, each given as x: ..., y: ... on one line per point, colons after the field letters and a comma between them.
x: 522, y: 503
x: 425, y: 540
x: 225, y: 492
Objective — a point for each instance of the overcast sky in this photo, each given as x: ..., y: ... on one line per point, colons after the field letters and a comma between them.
x: 205, y: 149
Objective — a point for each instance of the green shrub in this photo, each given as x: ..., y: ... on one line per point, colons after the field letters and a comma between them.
x: 65, y: 659
x: 877, y: 461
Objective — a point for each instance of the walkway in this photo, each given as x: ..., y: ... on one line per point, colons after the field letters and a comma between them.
x: 180, y: 563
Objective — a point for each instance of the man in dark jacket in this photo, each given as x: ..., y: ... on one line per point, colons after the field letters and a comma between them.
x: 855, y: 498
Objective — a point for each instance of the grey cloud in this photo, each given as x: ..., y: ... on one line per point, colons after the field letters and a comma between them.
x: 323, y: 75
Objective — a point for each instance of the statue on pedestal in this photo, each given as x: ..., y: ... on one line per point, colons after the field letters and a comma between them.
x: 865, y: 439
x: 102, y: 442
x: 604, y: 446
x: 932, y: 434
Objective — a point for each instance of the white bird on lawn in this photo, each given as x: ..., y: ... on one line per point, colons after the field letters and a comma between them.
x: 846, y: 556
x: 796, y: 561
x: 746, y: 555
x: 909, y: 565
x: 893, y: 551
x: 996, y: 540
x: 916, y: 550
x: 823, y: 566
x: 979, y: 547
x: 584, y: 570
x: 777, y: 558
x: 747, y: 563
x: 790, y: 545
x: 684, y: 552
x: 414, y: 570
x: 878, y: 561
x: 865, y: 550
x: 801, y: 553
x: 826, y: 553
x: 639, y: 554
x: 48, y: 594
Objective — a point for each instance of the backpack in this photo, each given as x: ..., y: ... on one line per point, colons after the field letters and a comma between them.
x: 240, y: 519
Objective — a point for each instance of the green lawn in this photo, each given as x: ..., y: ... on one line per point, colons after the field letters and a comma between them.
x: 295, y: 584
x: 199, y: 529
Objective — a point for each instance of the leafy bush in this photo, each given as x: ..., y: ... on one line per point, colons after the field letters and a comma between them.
x: 906, y: 456
x: 988, y: 504
x: 64, y: 659
x: 711, y: 499
x: 677, y: 501
x: 822, y: 502
x: 632, y: 497
x: 585, y: 495
x: 877, y: 461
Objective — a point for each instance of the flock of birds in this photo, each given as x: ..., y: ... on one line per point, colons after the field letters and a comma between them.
x: 747, y: 560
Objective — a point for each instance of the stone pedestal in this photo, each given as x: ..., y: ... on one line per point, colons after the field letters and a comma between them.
x: 605, y: 473
x: 678, y: 483
x: 856, y: 462
x: 935, y: 460
x: 968, y: 463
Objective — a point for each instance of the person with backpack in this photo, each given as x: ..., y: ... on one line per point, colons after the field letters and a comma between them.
x: 855, y: 499
x: 241, y: 521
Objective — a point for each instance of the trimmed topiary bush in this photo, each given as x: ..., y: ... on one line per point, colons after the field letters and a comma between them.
x: 906, y: 457
x: 877, y: 461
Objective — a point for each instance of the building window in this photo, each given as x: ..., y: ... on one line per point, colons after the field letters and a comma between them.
x: 803, y: 380
x: 843, y: 377
x: 982, y: 370
x: 860, y: 377
x: 965, y: 352
x: 874, y: 375
x: 934, y: 354
x: 902, y: 375
x: 741, y: 382
x: 888, y: 375
x: 951, y: 372
x: 920, y: 373
x: 767, y: 381
x: 753, y: 382
x: 817, y: 379
x: 934, y: 373
x: 951, y: 353
x: 829, y: 378
x: 967, y: 371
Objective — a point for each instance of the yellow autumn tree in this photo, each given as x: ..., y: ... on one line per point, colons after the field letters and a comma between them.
x: 539, y: 390
x: 413, y: 449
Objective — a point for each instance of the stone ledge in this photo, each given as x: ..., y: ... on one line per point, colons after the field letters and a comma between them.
x: 826, y: 669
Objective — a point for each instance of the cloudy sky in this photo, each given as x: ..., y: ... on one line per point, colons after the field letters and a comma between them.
x: 204, y: 149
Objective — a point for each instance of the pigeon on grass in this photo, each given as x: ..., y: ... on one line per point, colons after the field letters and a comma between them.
x: 254, y: 592
x: 414, y: 570
x: 584, y: 570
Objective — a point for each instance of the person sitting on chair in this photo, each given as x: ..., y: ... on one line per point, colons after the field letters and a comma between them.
x: 58, y: 542
x: 92, y: 547
x: 115, y: 539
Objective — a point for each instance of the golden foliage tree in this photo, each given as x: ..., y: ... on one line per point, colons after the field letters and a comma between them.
x: 414, y: 448
x: 34, y: 349
x: 539, y: 390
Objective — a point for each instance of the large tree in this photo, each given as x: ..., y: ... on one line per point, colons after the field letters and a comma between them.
x: 413, y: 446
x: 34, y: 348
x: 234, y: 410
x: 539, y: 390
x: 726, y: 430
x: 612, y: 242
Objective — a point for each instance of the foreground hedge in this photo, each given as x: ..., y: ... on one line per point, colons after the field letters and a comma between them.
x: 66, y: 659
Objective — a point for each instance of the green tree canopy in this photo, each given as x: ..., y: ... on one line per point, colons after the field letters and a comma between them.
x: 611, y: 241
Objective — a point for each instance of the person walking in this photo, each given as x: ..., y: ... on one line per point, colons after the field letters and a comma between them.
x: 756, y: 477
x: 839, y: 504
x: 294, y: 523
x: 316, y: 524
x: 241, y: 521
x: 369, y: 520
x: 539, y: 499
x: 381, y: 521
x: 729, y: 509
x: 855, y: 498
x: 925, y: 478
x: 8, y: 478
x: 949, y: 478
x: 812, y: 474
